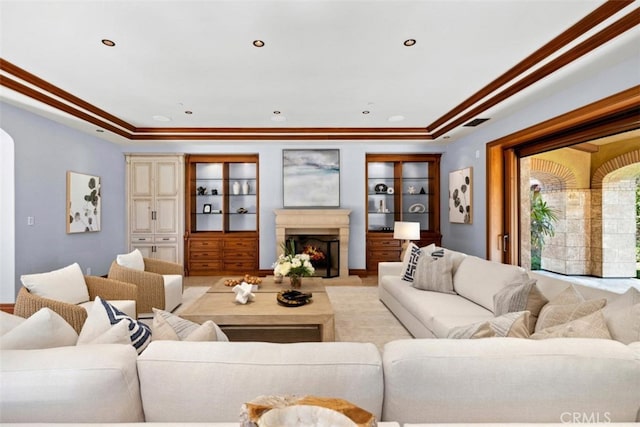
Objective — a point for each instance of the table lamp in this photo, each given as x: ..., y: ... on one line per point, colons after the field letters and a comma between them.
x: 406, y: 231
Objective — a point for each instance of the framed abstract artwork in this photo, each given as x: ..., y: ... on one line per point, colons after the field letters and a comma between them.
x: 84, y: 203
x: 460, y: 196
x: 311, y: 178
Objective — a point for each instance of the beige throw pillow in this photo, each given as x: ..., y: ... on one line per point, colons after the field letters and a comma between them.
x: 168, y: 326
x: 593, y: 325
x: 524, y: 296
x: 623, y: 316
x: 434, y: 274
x: 567, y: 306
x: 514, y: 325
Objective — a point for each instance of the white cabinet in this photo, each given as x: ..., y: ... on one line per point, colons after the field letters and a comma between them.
x: 155, y: 198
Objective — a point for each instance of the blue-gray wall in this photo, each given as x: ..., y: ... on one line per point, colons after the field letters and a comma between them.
x: 44, y: 152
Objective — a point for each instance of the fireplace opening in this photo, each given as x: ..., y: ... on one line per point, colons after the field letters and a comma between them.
x: 324, y: 252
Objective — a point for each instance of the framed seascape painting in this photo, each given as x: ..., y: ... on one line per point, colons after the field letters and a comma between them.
x: 311, y: 178
x: 83, y: 203
x: 460, y: 196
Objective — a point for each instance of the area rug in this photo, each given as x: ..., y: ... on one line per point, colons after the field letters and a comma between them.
x: 359, y: 314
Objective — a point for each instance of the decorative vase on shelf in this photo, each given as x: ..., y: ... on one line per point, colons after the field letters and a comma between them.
x: 245, y: 187
x: 236, y: 188
x: 296, y: 281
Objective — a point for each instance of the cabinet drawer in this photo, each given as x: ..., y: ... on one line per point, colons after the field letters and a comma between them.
x: 205, y: 265
x: 240, y: 265
x: 240, y: 244
x: 383, y: 243
x: 378, y: 256
x: 141, y: 239
x: 165, y: 239
x: 197, y: 245
x: 239, y: 254
x: 205, y: 255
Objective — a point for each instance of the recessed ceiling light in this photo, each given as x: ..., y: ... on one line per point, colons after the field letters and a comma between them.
x: 276, y: 112
x: 366, y: 112
x: 188, y: 112
x: 160, y: 118
x: 258, y: 43
x: 410, y: 42
x: 108, y: 42
x: 99, y: 130
x: 446, y: 137
x: 397, y: 118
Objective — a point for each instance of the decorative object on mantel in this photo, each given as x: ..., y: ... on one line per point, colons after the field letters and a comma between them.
x: 311, y: 178
x: 406, y: 231
x: 293, y: 265
x: 84, y: 203
x: 460, y: 196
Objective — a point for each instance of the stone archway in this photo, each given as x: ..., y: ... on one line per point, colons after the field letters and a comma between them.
x: 613, y: 235
x: 568, y: 251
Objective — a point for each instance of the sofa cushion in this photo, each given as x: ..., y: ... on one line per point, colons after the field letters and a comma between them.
x: 438, y: 312
x: 209, y: 381
x: 434, y: 274
x: 623, y: 316
x: 167, y: 326
x: 565, y: 307
x: 592, y: 325
x: 514, y: 324
x: 75, y: 384
x: 127, y: 306
x: 524, y: 296
x: 479, y: 280
x: 43, y: 329
x: 410, y: 262
x: 133, y: 260
x: 103, y: 316
x: 65, y: 284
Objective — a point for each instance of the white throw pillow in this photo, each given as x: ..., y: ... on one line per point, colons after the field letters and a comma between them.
x: 133, y: 260
x: 103, y: 316
x: 44, y: 329
x: 66, y: 284
x: 117, y: 334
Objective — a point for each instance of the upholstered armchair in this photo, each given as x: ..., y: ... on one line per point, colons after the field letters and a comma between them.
x: 122, y: 295
x: 159, y: 283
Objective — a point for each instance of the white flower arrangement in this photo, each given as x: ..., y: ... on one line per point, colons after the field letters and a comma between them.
x: 292, y: 264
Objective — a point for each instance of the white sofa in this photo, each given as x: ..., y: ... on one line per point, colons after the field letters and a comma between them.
x: 498, y: 379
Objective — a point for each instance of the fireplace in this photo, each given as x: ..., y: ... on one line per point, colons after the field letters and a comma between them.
x: 324, y: 252
x: 327, y: 224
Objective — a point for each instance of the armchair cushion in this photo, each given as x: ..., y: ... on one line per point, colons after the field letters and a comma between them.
x: 65, y: 284
x: 43, y: 329
x: 172, y: 291
x: 132, y: 260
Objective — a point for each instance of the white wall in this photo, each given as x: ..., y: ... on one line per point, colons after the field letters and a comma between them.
x: 7, y: 219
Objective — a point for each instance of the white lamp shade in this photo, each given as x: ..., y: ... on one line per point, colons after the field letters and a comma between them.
x: 406, y: 230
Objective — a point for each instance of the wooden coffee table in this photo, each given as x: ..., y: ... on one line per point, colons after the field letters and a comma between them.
x: 309, y: 284
x: 264, y: 319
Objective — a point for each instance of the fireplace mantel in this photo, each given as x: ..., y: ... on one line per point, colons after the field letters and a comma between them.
x: 316, y: 222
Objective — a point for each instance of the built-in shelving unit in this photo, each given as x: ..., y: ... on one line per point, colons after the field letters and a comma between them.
x: 400, y: 187
x: 222, y: 214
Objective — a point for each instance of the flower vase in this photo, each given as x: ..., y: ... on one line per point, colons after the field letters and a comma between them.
x: 277, y: 278
x: 296, y: 281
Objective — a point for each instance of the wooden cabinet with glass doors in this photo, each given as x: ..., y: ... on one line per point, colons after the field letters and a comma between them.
x: 222, y: 217
x: 400, y: 187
